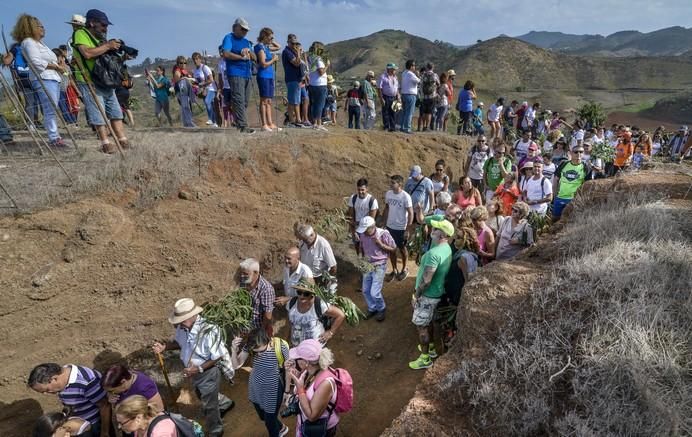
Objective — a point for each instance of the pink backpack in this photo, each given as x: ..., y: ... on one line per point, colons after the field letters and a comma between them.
x: 344, y: 389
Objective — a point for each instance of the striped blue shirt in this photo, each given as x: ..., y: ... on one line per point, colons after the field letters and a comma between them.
x: 83, y: 392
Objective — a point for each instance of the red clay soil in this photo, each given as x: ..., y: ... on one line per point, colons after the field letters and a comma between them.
x: 92, y: 282
x: 502, y: 288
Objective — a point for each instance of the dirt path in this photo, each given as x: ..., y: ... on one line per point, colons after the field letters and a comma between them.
x: 92, y: 282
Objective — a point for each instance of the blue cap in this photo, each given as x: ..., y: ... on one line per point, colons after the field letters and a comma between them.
x: 96, y: 15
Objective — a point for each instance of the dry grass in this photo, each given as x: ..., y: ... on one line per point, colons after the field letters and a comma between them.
x: 618, y: 309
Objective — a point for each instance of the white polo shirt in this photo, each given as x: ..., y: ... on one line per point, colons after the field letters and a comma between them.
x: 319, y: 257
x: 291, y: 279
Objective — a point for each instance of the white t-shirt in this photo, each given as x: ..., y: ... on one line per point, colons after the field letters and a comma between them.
x: 478, y: 159
x: 362, y: 206
x: 202, y: 74
x: 529, y: 117
x: 409, y: 83
x: 547, y: 146
x: 291, y: 279
x: 319, y: 257
x: 494, y: 112
x: 397, y: 217
x: 315, y: 79
x: 535, y: 192
x: 521, y: 148
x: 549, y: 170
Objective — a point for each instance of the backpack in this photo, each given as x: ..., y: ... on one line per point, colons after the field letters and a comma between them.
x: 325, y: 320
x: 428, y: 85
x: 344, y: 389
x: 107, y: 70
x: 353, y: 201
x: 19, y: 61
x: 185, y: 427
x: 278, y: 342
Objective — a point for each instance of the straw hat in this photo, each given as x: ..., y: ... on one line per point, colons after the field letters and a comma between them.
x: 183, y: 310
x: 78, y: 20
x: 330, y: 78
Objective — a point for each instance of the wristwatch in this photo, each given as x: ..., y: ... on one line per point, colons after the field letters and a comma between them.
x: 201, y: 369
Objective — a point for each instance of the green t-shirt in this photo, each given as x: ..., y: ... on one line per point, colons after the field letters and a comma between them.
x: 82, y: 37
x: 571, y: 177
x: 439, y: 257
x: 492, y: 171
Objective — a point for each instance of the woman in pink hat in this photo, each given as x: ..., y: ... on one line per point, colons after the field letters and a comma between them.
x: 311, y: 361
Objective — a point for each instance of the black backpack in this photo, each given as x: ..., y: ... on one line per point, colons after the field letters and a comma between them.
x: 184, y: 426
x: 325, y: 320
x: 108, y: 68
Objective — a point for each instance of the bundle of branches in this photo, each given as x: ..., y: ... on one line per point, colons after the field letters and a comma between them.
x: 350, y: 309
x: 603, y: 151
x: 232, y: 313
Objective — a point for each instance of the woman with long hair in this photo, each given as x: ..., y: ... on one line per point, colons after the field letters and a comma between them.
x: 120, y: 383
x: 265, y: 50
x: 495, y: 216
x: 29, y: 31
x: 443, y: 104
x: 136, y: 416
x: 440, y: 179
x: 646, y: 144
x: 486, y: 237
x: 467, y: 196
x: 183, y: 90
x: 515, y: 234
x: 206, y: 86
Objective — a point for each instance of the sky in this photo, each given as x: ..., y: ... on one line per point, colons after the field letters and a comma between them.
x: 167, y: 28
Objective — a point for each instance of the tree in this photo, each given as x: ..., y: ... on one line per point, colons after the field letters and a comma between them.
x: 592, y: 113
x: 146, y: 62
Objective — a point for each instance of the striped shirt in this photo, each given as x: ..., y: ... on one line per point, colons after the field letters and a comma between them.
x: 83, y: 393
x: 265, y: 378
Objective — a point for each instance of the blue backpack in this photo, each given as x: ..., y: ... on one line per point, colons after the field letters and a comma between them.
x: 19, y: 61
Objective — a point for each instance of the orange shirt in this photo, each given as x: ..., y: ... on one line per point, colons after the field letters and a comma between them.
x: 623, y: 151
x: 507, y: 198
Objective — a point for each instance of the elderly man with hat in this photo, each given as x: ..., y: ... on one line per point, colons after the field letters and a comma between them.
x: 376, y: 245
x: 430, y: 286
x: 89, y: 43
x: 77, y: 22
x: 205, y: 358
x: 367, y: 88
x: 388, y: 88
x: 237, y: 50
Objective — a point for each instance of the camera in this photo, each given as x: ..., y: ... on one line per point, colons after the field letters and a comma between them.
x: 292, y: 409
x: 127, y: 50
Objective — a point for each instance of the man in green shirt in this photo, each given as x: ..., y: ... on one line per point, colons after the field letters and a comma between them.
x: 368, y: 91
x: 89, y: 43
x: 569, y: 176
x: 495, y: 170
x: 430, y: 286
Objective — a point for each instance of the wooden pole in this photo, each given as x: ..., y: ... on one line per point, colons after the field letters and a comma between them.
x: 28, y: 123
x: 55, y: 106
x: 92, y: 92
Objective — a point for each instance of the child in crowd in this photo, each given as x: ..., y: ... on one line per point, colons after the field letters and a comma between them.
x: 638, y: 158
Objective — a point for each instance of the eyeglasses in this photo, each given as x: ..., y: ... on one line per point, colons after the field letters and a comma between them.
x: 304, y: 293
x: 121, y: 424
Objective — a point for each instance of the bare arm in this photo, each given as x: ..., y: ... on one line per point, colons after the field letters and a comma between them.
x: 95, y: 52
x: 425, y: 282
x: 338, y: 317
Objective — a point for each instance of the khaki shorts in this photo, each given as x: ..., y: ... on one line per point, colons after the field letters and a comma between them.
x: 424, y: 311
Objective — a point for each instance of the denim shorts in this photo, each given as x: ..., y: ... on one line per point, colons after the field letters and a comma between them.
x: 266, y: 87
x: 293, y: 93
x: 107, y: 100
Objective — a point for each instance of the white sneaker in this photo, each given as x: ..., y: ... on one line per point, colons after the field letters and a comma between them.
x: 214, y: 125
x: 209, y: 122
x: 322, y: 128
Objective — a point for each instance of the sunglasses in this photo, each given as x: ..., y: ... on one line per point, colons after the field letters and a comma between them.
x: 304, y: 293
x: 481, y: 141
x: 578, y: 151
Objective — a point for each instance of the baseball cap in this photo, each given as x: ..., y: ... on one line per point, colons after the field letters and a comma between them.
x: 365, y: 223
x: 481, y: 104
x: 356, y: 84
x: 391, y: 66
x: 242, y: 22
x: 292, y: 39
x: 415, y: 171
x: 443, y: 225
x: 96, y: 15
x: 308, y: 350
x: 533, y: 146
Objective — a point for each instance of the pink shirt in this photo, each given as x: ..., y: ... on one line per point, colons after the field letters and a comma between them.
x: 372, y: 251
x: 310, y: 392
x: 165, y: 428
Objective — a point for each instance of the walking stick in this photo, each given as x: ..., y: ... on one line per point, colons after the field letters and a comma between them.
x: 165, y: 374
x: 14, y: 204
x: 57, y: 110
x: 92, y: 92
x: 31, y: 131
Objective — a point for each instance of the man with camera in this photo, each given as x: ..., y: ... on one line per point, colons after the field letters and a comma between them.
x: 89, y: 44
x: 237, y: 50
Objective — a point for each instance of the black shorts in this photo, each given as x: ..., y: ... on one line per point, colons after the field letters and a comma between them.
x: 426, y: 106
x: 398, y: 237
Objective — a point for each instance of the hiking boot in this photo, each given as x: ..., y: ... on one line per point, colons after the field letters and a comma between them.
x: 380, y: 316
x: 370, y: 314
x: 109, y: 148
x: 402, y: 275
x: 432, y: 353
x: 389, y: 277
x: 423, y: 362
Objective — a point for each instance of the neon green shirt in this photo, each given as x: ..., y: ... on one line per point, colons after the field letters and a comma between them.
x: 82, y: 37
x: 571, y: 178
x: 440, y: 258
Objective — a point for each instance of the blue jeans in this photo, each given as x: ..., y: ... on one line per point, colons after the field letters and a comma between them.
x: 318, y: 97
x: 31, y: 103
x: 409, y: 102
x: 559, y: 205
x: 209, y: 104
x: 106, y: 99
x: 50, y: 117
x: 372, y: 288
x: 354, y: 117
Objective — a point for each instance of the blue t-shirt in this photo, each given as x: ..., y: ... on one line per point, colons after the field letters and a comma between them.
x: 465, y: 101
x: 268, y: 72
x: 292, y: 71
x: 419, y: 192
x: 240, y: 68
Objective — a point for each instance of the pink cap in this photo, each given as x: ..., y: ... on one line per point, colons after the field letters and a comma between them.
x: 533, y: 146
x: 308, y: 350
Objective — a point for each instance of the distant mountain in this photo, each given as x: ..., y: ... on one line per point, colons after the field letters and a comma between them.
x: 671, y: 41
x: 505, y: 63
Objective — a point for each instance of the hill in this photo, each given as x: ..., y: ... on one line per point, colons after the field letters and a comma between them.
x: 671, y: 41
x: 505, y: 63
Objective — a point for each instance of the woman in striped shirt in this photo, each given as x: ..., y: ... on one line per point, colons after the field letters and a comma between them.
x: 267, y: 378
